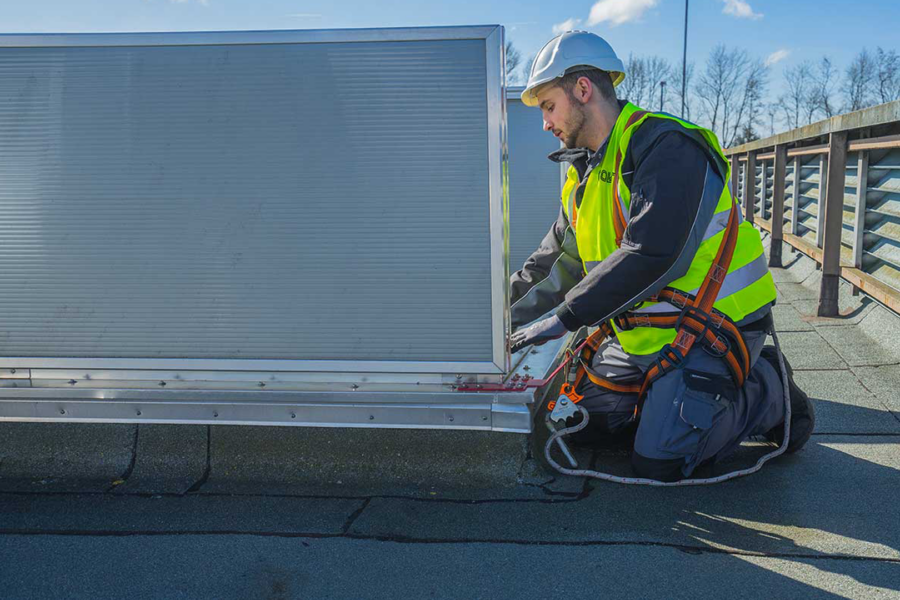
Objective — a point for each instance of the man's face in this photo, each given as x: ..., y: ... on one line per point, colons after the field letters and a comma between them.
x: 563, y: 116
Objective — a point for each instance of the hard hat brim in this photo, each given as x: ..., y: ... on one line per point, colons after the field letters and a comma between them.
x: 529, y: 94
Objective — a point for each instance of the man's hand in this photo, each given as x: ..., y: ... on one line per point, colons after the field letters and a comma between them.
x: 539, y: 333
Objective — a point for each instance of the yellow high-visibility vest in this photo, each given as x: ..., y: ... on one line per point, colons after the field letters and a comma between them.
x: 748, y: 284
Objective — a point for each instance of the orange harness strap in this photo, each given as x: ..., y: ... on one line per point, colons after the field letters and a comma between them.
x: 697, y: 322
x: 670, y: 357
x: 619, y: 220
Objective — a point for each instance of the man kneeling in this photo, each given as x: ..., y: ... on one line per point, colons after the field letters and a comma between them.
x: 650, y: 246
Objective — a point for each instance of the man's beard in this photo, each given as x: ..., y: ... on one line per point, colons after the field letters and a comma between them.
x: 574, y: 127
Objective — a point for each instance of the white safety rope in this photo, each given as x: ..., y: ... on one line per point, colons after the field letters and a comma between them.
x: 684, y: 482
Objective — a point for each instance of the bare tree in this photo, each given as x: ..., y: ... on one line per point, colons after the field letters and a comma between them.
x: 719, y: 89
x: 887, y: 75
x: 634, y: 87
x: 729, y: 94
x: 796, y: 101
x: 643, y: 77
x: 747, y: 134
x: 772, y: 110
x: 658, y: 70
x: 824, y: 79
x: 513, y: 59
x: 526, y: 68
x: 749, y: 105
x: 858, y: 81
x: 677, y: 85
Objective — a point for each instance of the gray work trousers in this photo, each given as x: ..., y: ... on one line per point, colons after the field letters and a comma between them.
x: 690, y: 415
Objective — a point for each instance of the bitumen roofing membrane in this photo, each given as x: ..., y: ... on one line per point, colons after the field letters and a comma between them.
x: 159, y: 511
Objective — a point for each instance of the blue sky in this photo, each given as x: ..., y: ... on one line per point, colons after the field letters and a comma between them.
x: 787, y: 30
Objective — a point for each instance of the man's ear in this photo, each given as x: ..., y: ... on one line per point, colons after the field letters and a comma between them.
x: 584, y: 90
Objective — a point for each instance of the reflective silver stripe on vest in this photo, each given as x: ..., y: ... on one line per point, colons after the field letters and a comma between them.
x: 625, y: 211
x: 719, y: 222
x: 716, y: 226
x: 734, y: 282
x: 660, y: 307
x: 570, y: 202
x: 741, y: 278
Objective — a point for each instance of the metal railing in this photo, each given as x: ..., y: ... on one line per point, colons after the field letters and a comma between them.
x: 832, y: 191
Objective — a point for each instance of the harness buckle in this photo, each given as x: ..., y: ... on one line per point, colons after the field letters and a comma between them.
x: 675, y: 358
x: 679, y: 299
x: 684, y: 340
x: 641, y: 319
x: 711, y: 321
x: 697, y: 314
x: 712, y: 349
x: 718, y: 273
x: 606, y: 329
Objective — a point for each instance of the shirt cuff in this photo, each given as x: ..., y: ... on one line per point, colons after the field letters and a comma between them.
x: 568, y: 318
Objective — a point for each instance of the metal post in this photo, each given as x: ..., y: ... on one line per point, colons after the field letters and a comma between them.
x: 859, y: 223
x: 778, y: 204
x: 823, y: 183
x: 749, y: 186
x: 832, y: 226
x: 859, y: 228
x: 735, y: 177
x: 662, y: 89
x: 684, y: 61
x: 795, y: 217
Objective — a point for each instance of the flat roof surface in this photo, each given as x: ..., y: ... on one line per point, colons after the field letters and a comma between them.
x: 330, y: 520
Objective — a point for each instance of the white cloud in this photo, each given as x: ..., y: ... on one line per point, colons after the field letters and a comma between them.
x: 740, y: 9
x: 567, y: 25
x: 619, y: 11
x: 777, y: 57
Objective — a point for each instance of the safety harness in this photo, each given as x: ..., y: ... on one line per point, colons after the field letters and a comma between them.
x: 697, y: 323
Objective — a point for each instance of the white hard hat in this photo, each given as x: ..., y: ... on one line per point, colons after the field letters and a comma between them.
x: 568, y: 50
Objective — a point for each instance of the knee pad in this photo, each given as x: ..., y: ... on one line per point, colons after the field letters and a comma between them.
x: 600, y: 434
x: 660, y: 469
